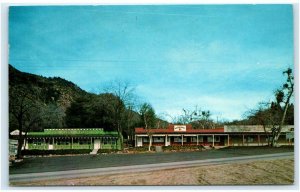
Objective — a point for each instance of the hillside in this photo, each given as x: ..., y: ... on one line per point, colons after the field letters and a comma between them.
x: 59, y: 103
x: 53, y: 88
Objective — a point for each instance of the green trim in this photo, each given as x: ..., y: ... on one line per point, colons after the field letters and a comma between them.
x: 76, y: 134
x: 73, y: 132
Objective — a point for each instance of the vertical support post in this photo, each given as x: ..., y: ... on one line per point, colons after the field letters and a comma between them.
x: 26, y: 144
x: 150, y: 142
x: 53, y: 143
x: 166, y: 139
x: 92, y: 143
x: 197, y: 140
x: 213, y: 140
x: 243, y: 140
x: 71, y: 142
x: 228, y: 143
x: 135, y: 141
x: 258, y: 138
x: 44, y: 143
x: 181, y: 140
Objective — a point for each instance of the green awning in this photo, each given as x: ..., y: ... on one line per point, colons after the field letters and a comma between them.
x: 92, y: 132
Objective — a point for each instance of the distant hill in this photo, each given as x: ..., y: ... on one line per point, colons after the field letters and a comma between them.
x: 54, y: 88
x: 79, y: 108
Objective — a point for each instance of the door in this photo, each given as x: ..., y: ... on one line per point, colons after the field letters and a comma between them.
x: 97, y: 144
x: 51, y: 143
x: 139, y: 142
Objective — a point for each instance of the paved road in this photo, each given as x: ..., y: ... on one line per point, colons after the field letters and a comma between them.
x: 65, y: 163
x: 140, y: 168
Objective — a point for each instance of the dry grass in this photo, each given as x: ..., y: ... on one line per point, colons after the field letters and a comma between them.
x: 251, y: 173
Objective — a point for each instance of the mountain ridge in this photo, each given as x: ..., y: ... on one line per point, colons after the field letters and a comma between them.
x: 56, y: 88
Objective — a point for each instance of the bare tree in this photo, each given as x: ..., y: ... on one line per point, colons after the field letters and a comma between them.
x: 283, y: 97
x: 273, y: 114
x: 148, y: 117
x: 160, y: 122
x: 130, y: 118
x: 262, y: 116
x: 196, y: 117
x: 25, y: 110
x: 125, y: 102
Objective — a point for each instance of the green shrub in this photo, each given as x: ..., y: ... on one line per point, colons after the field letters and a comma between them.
x: 107, y: 150
x: 56, y: 152
x: 143, y: 148
x: 182, y: 148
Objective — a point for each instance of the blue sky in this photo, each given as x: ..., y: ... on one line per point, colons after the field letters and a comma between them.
x: 222, y: 58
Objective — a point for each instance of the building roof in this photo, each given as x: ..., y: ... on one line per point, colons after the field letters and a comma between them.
x: 254, y: 128
x: 16, y: 132
x: 236, y: 129
x: 72, y: 132
x: 173, y: 129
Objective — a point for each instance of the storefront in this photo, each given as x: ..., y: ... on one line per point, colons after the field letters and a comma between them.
x: 225, y: 136
x: 53, y: 139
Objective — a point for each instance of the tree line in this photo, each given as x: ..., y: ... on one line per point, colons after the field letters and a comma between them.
x: 117, y: 108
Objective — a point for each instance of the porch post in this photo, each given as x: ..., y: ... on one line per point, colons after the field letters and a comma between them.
x: 135, y: 140
x: 24, y: 142
x: 197, y: 140
x: 258, y: 138
x: 166, y: 138
x: 181, y: 140
x: 228, y: 140
x: 150, y: 141
x: 92, y: 143
x: 213, y: 140
x: 71, y: 142
x: 243, y: 140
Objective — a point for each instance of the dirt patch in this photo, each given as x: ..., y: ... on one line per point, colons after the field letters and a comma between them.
x: 251, y: 173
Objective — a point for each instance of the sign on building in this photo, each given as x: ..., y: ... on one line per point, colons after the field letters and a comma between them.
x: 13, y: 147
x: 179, y: 128
x: 289, y: 135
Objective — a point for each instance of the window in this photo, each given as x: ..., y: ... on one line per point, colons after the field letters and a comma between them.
x: 193, y: 139
x: 84, y: 142
x: 200, y: 138
x: 270, y: 138
x: 113, y: 141
x: 64, y: 142
x: 105, y: 141
x: 250, y: 139
x: 216, y: 139
x: 145, y: 139
x: 158, y: 139
x: 178, y: 139
x: 37, y: 142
